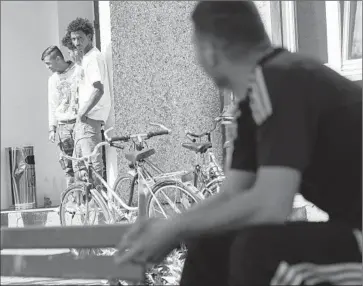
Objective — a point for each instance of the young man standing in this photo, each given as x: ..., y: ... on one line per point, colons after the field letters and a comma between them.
x: 299, y: 131
x: 62, y: 103
x: 94, y: 95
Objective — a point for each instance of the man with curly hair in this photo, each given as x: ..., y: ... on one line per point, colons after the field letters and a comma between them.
x: 94, y: 95
x: 74, y: 54
x: 63, y: 103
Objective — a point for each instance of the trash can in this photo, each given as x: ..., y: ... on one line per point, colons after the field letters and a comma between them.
x: 22, y: 176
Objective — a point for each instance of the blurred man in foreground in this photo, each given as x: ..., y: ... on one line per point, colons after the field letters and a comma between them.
x: 299, y: 130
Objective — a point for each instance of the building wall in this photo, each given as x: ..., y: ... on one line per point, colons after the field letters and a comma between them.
x: 156, y: 78
x: 27, y: 28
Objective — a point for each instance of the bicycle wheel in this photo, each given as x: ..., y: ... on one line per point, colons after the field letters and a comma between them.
x: 125, y: 186
x: 166, y: 204
x: 73, y: 212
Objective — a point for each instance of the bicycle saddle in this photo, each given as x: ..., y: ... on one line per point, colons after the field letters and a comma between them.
x: 197, y: 147
x: 137, y: 156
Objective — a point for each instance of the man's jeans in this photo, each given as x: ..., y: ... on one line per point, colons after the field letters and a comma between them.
x: 86, y: 136
x: 66, y: 138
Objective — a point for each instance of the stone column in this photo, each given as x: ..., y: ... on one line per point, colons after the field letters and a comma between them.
x: 156, y: 79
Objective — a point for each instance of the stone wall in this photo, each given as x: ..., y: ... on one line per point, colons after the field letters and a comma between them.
x: 156, y: 78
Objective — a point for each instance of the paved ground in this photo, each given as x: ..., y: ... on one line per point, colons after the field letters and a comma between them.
x: 51, y: 219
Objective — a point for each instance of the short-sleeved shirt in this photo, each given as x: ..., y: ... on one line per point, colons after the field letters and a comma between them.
x: 95, y: 70
x: 62, y: 94
x: 303, y: 115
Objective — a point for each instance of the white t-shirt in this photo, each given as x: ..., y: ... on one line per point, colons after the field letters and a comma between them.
x: 94, y: 70
x: 62, y: 94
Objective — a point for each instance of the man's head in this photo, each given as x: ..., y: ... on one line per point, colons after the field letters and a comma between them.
x: 81, y: 33
x: 74, y: 54
x: 53, y: 59
x: 227, y: 33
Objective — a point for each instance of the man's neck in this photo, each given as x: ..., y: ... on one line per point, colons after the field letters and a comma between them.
x: 87, y: 49
x: 64, y: 67
x: 242, y: 73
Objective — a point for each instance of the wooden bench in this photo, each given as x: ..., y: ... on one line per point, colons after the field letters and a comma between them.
x: 21, y: 255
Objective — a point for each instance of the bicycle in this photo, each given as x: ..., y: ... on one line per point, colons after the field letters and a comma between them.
x: 109, y: 203
x: 126, y: 184
x: 211, y: 176
x: 207, y: 174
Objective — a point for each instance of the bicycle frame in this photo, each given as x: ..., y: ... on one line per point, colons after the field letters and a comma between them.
x: 206, y: 164
x: 203, y: 174
x: 147, y: 163
x: 145, y: 182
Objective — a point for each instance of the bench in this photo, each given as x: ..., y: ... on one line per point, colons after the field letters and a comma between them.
x: 21, y: 253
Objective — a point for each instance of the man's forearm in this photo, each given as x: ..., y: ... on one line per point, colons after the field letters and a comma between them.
x: 229, y: 188
x: 94, y: 99
x: 233, y: 213
x: 211, y: 202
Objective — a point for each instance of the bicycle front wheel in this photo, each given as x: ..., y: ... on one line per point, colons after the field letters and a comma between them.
x: 169, y: 198
x: 73, y: 211
x: 125, y: 186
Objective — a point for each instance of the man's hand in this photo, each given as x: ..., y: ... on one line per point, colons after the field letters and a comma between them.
x: 52, y: 136
x: 148, y: 241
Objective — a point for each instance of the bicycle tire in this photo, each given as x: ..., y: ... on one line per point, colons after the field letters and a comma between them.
x: 95, y: 194
x: 99, y: 201
x: 130, y: 201
x: 165, y: 183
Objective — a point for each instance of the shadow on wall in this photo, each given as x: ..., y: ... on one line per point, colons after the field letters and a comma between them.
x: 156, y: 78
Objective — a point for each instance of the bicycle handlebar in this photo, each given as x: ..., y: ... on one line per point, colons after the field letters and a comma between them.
x: 109, y: 140
x: 139, y: 136
x: 85, y: 158
x: 215, y: 123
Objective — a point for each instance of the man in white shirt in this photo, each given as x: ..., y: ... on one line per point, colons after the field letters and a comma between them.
x: 63, y: 103
x: 94, y: 94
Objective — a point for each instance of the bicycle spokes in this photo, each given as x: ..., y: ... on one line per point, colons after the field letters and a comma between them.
x: 169, y: 201
x: 80, y: 210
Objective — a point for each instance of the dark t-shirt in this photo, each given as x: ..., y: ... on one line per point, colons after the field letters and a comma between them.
x: 307, y: 117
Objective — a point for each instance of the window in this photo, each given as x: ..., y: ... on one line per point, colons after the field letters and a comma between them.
x: 351, y: 13
x: 328, y: 30
x: 345, y: 47
x: 311, y: 29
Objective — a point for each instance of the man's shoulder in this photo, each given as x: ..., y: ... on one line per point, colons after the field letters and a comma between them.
x: 53, y: 78
x: 295, y: 73
x: 279, y: 79
x: 94, y: 54
x: 287, y: 63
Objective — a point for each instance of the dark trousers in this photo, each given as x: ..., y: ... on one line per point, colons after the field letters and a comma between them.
x: 317, y: 253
